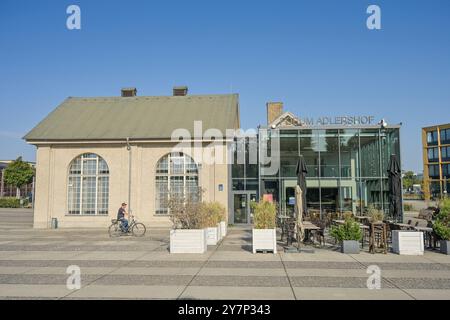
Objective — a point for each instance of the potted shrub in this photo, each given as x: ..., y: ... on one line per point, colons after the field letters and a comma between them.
x: 264, y: 231
x: 348, y: 235
x: 213, y: 212
x: 441, y: 226
x: 189, y: 233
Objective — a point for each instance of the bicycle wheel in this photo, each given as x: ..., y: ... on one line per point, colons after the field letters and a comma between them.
x: 138, y: 229
x: 114, y: 230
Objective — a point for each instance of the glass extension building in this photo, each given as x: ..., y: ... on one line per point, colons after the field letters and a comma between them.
x: 347, y: 168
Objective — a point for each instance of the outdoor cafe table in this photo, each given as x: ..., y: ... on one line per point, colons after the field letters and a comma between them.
x: 404, y: 226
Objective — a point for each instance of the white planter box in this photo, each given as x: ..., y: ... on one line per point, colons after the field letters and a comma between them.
x: 407, y: 242
x: 219, y: 232
x: 223, y: 228
x: 213, y: 236
x: 188, y: 241
x: 264, y: 239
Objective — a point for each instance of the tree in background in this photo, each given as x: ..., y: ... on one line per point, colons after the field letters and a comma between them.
x: 410, y: 179
x: 18, y: 173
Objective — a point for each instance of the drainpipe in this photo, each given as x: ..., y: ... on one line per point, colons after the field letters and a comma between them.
x: 129, y: 174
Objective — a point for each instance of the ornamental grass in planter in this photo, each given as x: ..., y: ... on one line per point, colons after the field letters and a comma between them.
x: 348, y: 235
x: 264, y: 231
x: 441, y: 226
x: 375, y: 215
x: 189, y: 223
x: 214, y: 214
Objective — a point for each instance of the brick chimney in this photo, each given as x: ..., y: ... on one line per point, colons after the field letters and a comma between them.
x: 274, y: 110
x: 129, y: 92
x: 180, y: 91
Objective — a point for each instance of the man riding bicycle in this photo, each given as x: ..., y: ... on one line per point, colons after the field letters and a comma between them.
x: 122, y: 216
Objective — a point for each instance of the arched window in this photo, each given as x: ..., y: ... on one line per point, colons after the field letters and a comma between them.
x: 176, y: 175
x: 88, y: 188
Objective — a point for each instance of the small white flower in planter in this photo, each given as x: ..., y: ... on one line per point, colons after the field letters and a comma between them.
x: 264, y: 231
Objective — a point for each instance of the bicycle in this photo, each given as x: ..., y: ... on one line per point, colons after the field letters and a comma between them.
x: 137, y: 229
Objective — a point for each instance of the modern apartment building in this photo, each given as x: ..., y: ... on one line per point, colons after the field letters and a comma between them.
x: 436, y: 160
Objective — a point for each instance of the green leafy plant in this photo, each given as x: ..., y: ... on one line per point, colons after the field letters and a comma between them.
x: 18, y: 173
x: 9, y: 202
x: 442, y: 224
x: 264, y: 214
x: 374, y: 214
x: 350, y: 230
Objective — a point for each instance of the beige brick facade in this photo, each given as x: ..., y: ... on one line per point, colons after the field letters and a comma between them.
x: 52, y: 167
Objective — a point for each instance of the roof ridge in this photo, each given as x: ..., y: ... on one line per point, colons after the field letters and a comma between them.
x: 146, y: 97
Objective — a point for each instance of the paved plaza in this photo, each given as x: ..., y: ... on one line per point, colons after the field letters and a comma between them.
x: 33, y: 265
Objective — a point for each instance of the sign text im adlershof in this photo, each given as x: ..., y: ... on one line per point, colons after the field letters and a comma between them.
x: 340, y: 120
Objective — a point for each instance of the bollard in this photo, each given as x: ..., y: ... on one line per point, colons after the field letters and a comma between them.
x: 54, y: 223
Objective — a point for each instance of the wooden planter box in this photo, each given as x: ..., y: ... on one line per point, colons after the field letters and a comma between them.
x: 445, y: 246
x: 350, y: 246
x: 188, y: 241
x: 264, y: 240
x: 213, y: 236
x: 407, y: 242
x: 223, y: 228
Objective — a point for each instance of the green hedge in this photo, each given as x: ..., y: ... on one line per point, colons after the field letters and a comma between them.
x: 9, y: 202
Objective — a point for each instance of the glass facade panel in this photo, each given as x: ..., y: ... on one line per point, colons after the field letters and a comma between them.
x: 433, y: 171
x: 433, y: 154
x: 445, y: 136
x: 288, y: 152
x: 432, y: 138
x: 390, y: 145
x: 370, y: 152
x: 446, y: 170
x: 309, y: 149
x: 349, y: 147
x: 445, y: 153
x: 329, y: 153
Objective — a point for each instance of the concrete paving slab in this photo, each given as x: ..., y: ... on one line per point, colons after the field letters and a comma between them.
x: 43, y: 255
x: 349, y: 294
x: 128, y: 292
x: 108, y: 255
x: 32, y: 291
x: 427, y: 294
x: 157, y: 271
x: 278, y: 272
x: 247, y: 293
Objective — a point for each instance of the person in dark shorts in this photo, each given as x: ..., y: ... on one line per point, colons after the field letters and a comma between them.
x: 122, y: 217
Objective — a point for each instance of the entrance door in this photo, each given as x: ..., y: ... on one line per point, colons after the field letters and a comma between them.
x: 242, y: 208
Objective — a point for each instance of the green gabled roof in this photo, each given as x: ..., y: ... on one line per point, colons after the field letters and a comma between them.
x: 135, y: 117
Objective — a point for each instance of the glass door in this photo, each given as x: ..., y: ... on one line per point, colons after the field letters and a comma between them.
x: 240, y: 203
x: 242, y: 208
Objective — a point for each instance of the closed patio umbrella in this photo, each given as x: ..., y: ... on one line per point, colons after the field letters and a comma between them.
x: 301, y: 172
x: 395, y: 188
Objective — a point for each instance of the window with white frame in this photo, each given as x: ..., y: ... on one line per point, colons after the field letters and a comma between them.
x: 176, y: 176
x: 88, y: 185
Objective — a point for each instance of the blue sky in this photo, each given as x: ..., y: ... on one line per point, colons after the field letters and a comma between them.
x: 317, y: 57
